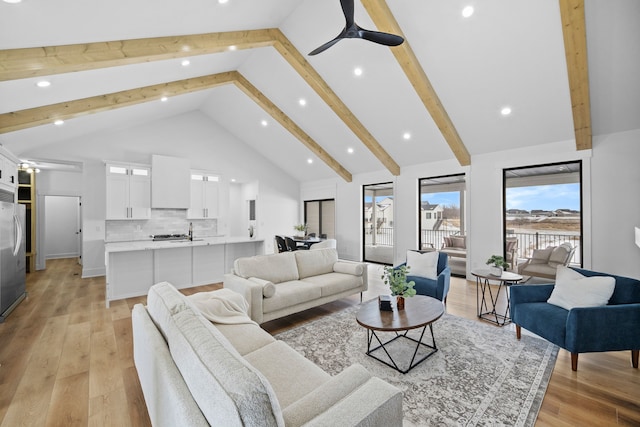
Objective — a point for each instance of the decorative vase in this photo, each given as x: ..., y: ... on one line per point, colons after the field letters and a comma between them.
x: 495, y: 271
x: 400, y: 302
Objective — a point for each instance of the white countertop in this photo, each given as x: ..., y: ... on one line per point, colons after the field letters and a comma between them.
x: 141, y: 245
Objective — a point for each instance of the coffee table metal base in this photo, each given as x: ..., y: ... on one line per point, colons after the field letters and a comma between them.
x: 372, y: 334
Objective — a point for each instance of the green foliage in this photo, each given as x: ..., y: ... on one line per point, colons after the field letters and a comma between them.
x: 498, y: 261
x: 396, y: 278
x: 300, y: 227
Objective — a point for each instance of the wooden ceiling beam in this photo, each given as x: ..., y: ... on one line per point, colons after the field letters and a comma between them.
x: 384, y: 20
x: 266, y: 104
x: 23, y: 119
x: 313, y: 79
x: 575, y: 46
x: 43, y: 61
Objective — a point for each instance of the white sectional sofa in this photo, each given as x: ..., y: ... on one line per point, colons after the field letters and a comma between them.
x: 281, y: 284
x: 197, y: 373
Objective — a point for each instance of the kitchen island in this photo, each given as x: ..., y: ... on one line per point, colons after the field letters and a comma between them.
x: 133, y: 267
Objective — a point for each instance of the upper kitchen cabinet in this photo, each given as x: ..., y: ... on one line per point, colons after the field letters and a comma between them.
x: 128, y: 191
x: 204, y: 195
x: 169, y: 182
x: 8, y: 171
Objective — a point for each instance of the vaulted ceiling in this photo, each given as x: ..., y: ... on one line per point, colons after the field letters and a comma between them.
x: 109, y: 65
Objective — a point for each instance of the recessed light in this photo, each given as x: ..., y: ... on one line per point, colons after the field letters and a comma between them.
x: 12, y: 1
x: 233, y: 180
x: 185, y: 62
x: 43, y: 83
x: 505, y: 111
x: 58, y: 122
x: 222, y: 1
x: 467, y: 11
x: 233, y: 47
x: 164, y: 99
x: 406, y: 136
x: 302, y: 102
x: 357, y: 71
x: 350, y: 150
x: 264, y: 123
x: 309, y: 161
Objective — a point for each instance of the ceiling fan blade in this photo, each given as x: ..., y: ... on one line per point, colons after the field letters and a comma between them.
x: 348, y: 10
x: 386, y: 39
x: 325, y: 46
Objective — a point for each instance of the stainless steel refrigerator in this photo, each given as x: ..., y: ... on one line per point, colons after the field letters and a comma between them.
x: 12, y: 257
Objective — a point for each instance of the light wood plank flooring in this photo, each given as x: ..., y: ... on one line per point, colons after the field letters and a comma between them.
x: 66, y: 360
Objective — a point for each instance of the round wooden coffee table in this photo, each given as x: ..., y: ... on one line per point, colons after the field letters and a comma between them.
x: 419, y: 312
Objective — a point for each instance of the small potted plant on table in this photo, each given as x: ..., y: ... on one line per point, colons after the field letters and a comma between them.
x: 396, y: 278
x: 301, y: 230
x: 497, y: 265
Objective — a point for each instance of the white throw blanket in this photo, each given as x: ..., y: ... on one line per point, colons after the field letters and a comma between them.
x: 222, y: 306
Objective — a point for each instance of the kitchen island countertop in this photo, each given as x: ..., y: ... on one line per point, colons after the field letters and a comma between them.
x: 141, y: 245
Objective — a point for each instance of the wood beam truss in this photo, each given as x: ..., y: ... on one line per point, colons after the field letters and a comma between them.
x: 575, y: 46
x: 385, y: 21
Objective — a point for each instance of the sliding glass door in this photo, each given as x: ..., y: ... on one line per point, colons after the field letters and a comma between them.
x: 320, y: 217
x: 377, y: 233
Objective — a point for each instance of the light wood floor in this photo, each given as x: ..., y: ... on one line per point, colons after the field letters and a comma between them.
x: 66, y: 360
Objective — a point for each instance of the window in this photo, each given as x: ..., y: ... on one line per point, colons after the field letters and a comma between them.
x: 543, y: 207
x: 377, y: 233
x: 320, y: 217
x: 441, y: 208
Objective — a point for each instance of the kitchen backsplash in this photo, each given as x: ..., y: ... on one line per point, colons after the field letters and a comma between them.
x: 163, y: 221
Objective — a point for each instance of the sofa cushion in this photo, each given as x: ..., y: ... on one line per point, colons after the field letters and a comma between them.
x: 334, y: 283
x: 274, y: 268
x: 245, y: 337
x: 572, y: 289
x: 313, y: 263
x: 289, y: 294
x: 353, y: 268
x: 542, y: 255
x: 227, y: 389
x: 423, y: 264
x: 560, y: 255
x: 289, y: 373
x: 459, y: 242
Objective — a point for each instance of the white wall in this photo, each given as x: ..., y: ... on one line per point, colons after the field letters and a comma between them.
x: 194, y: 136
x: 611, y: 201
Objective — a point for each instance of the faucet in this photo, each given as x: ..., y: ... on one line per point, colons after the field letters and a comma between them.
x: 191, y: 231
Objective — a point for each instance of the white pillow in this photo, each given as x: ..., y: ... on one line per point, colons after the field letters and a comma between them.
x: 423, y: 265
x: 572, y: 289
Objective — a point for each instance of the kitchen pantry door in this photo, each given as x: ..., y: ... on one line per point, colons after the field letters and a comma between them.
x: 62, y: 231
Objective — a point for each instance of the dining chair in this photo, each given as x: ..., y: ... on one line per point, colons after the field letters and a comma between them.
x: 281, y: 243
x: 292, y: 245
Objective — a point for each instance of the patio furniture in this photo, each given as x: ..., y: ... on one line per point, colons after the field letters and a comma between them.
x: 544, y: 262
x: 611, y: 327
x: 511, y: 252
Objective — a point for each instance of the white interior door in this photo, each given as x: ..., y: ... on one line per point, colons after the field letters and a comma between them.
x: 63, y: 232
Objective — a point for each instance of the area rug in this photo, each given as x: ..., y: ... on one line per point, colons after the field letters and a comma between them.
x: 481, y: 375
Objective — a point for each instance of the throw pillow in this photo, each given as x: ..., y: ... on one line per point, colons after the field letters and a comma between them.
x: 459, y: 242
x: 560, y: 254
x: 573, y: 290
x: 542, y: 254
x: 423, y: 264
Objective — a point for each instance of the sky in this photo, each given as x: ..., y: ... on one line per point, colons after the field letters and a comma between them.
x: 544, y: 197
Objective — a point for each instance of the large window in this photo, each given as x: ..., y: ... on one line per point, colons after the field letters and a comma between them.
x: 377, y: 233
x: 543, y: 207
x: 320, y: 217
x: 441, y: 216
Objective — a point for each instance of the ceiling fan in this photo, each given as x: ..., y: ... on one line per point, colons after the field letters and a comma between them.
x: 353, y: 31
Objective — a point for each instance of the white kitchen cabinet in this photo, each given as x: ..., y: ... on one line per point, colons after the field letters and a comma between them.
x: 129, y: 274
x: 8, y: 171
x: 208, y: 264
x: 204, y: 195
x: 128, y: 191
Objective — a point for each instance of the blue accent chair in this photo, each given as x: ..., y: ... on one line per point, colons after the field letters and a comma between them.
x: 614, y: 327
x: 434, y: 288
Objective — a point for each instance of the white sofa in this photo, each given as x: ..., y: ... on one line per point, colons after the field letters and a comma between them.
x: 197, y: 373
x: 289, y: 282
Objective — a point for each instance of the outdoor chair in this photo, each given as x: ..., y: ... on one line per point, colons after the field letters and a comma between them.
x: 544, y: 262
x: 611, y: 327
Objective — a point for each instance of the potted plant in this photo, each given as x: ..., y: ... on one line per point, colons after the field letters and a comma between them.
x: 497, y: 265
x: 396, y: 278
x: 301, y: 230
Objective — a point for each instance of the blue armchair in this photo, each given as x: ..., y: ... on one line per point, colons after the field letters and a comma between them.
x: 434, y: 288
x: 614, y: 327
